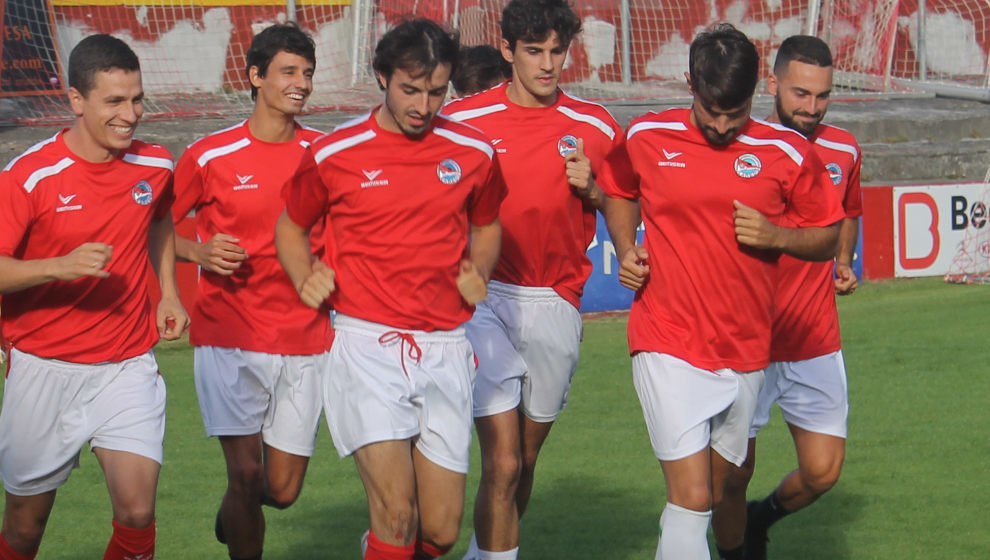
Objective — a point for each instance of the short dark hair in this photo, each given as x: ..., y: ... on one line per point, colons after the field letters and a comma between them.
x: 802, y: 48
x: 479, y: 68
x: 724, y: 66
x: 533, y: 20
x: 99, y: 53
x: 272, y: 40
x: 416, y: 45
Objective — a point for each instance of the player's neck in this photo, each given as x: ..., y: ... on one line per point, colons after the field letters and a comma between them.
x: 522, y: 97
x: 80, y: 144
x: 272, y: 128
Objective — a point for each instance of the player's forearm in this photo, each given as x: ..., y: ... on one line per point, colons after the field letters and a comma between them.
x: 161, y: 252
x: 187, y: 250
x: 622, y: 217
x: 848, y: 234
x: 486, y: 242
x: 808, y: 243
x: 292, y: 247
x: 17, y: 275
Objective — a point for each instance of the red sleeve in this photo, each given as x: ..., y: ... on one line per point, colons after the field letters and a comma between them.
x: 853, y: 202
x: 188, y: 186
x: 305, y: 194
x: 617, y: 178
x: 18, y: 213
x: 486, y: 200
x: 166, y: 200
x: 812, y: 200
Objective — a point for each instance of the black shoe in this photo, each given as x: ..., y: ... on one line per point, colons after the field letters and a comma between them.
x: 755, y: 543
x: 218, y: 530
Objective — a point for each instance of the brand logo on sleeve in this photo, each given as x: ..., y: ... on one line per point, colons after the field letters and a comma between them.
x: 748, y: 166
x: 834, y: 172
x: 67, y: 205
x: 567, y: 145
x: 142, y: 193
x: 448, y: 171
x: 373, y: 180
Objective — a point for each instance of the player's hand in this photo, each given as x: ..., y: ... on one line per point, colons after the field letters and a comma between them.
x: 171, y: 319
x: 471, y: 283
x: 634, y: 270
x: 318, y: 286
x: 577, y: 166
x: 753, y: 228
x: 221, y: 254
x: 88, y: 259
x: 845, y: 280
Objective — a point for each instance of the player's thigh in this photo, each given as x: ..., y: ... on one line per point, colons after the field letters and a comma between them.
x: 679, y: 402
x: 731, y: 427
x: 688, y: 480
x: 234, y: 388
x: 132, y: 481
x: 498, y: 381
x: 367, y: 393
x: 440, y: 499
x: 816, y: 397
x: 387, y: 473
x: 774, y: 383
x: 293, y: 416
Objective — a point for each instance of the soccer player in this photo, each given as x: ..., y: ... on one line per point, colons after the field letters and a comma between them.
x: 806, y: 376
x: 714, y: 186
x: 259, y: 350
x: 528, y: 332
x: 412, y: 200
x: 479, y: 67
x: 84, y: 213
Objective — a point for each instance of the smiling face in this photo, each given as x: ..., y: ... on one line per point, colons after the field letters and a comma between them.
x: 412, y: 100
x: 801, y: 94
x: 108, y: 115
x: 286, y: 85
x: 536, y: 69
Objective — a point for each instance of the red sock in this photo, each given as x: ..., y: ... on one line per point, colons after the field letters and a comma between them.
x: 131, y: 544
x: 377, y: 550
x: 428, y: 550
x: 8, y: 553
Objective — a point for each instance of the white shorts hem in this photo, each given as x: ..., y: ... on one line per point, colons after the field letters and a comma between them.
x: 368, y: 439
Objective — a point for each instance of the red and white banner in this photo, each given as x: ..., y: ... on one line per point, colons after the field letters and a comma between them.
x: 931, y: 221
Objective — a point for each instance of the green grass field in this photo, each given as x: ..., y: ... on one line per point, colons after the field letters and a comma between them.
x: 916, y: 475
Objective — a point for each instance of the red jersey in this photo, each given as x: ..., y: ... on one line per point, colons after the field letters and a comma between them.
x: 399, y: 213
x: 233, y: 181
x: 806, y: 322
x: 53, y: 201
x: 708, y: 299
x: 546, y: 227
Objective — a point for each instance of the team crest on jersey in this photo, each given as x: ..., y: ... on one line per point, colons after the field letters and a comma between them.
x: 448, y: 171
x: 567, y: 145
x: 748, y: 166
x: 834, y: 172
x: 142, y: 193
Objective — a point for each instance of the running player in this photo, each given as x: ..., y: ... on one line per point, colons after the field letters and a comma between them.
x: 806, y: 376
x: 259, y: 350
x: 412, y: 201
x: 84, y: 213
x: 528, y: 332
x: 479, y: 68
x: 713, y: 185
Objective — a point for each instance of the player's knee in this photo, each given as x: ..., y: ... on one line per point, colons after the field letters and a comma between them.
x: 24, y: 537
x: 135, y: 517
x: 281, y: 498
x: 246, y: 478
x: 442, y: 539
x: 696, y: 497
x: 398, y: 514
x: 505, y: 469
x: 737, y: 481
x: 821, y: 478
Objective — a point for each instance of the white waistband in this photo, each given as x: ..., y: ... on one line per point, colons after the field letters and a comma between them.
x: 346, y: 323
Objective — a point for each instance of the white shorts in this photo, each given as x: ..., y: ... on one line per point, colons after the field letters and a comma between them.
x: 52, y: 408
x: 385, y: 384
x: 688, y: 409
x: 243, y: 393
x: 812, y: 395
x: 527, y: 341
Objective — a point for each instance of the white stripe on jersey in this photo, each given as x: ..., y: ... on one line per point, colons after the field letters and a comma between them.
x: 781, y: 144
x: 839, y: 146
x: 45, y: 172
x: 355, y: 121
x: 676, y: 125
x: 31, y: 150
x: 331, y: 149
x: 780, y: 127
x: 215, y: 132
x: 593, y: 121
x: 149, y: 161
x: 222, y: 151
x: 465, y: 141
x: 469, y: 114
